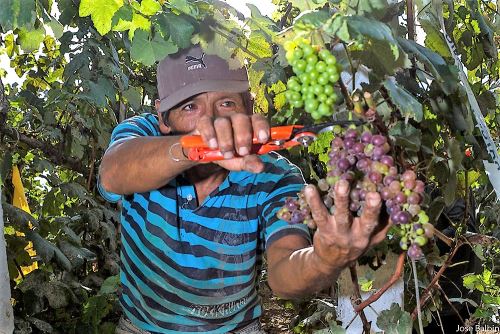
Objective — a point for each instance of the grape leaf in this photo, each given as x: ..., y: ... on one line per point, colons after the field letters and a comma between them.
x: 101, y: 12
x: 406, y: 136
x: 395, y: 321
x: 148, y: 51
x: 405, y: 102
x: 138, y: 22
x: 149, y: 7
x: 30, y: 39
x: 16, y: 13
x: 304, y: 5
x: 443, y: 73
x: 177, y: 27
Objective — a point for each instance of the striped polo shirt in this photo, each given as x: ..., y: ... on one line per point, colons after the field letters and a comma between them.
x: 187, y: 268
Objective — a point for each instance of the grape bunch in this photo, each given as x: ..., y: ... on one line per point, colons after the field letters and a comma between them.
x: 364, y: 161
x: 316, y: 71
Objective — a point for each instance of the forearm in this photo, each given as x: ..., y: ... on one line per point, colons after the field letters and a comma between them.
x: 301, y: 274
x: 142, y: 164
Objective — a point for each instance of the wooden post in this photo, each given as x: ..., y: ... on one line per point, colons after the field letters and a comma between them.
x: 6, y: 313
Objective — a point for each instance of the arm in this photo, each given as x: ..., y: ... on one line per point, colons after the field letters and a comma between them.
x: 295, y: 270
x: 142, y: 164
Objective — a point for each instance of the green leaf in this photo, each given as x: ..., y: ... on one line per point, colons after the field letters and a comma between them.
x: 76, y: 255
x: 110, y: 285
x: 101, y: 12
x: 57, y: 28
x: 47, y: 250
x: 456, y: 154
x: 395, y: 321
x: 406, y: 103
x: 443, y: 73
x: 138, y: 22
x: 321, y: 146
x: 134, y: 97
x: 311, y: 19
x: 366, y: 7
x: 30, y: 39
x: 16, y: 13
x: 148, y: 51
x: 406, y: 136
x: 149, y: 7
x: 177, y: 27
x: 304, y: 5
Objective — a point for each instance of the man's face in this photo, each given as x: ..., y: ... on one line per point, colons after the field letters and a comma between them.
x: 183, y: 119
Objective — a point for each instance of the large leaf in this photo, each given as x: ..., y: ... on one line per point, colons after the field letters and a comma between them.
x: 395, y: 321
x: 16, y: 13
x: 178, y: 27
x: 149, y: 7
x: 445, y: 76
x: 365, y: 7
x: 101, y: 12
x: 406, y: 103
x: 406, y: 136
x: 47, y: 250
x: 148, y: 51
x: 137, y: 22
x: 304, y: 5
x: 110, y: 285
x: 30, y: 40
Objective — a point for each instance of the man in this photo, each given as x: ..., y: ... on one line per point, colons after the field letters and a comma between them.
x: 193, y: 234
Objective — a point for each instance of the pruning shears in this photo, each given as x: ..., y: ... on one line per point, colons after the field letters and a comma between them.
x: 282, y: 137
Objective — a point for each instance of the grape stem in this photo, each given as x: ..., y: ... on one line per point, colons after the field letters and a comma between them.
x: 417, y: 296
x: 354, y: 278
x: 394, y: 278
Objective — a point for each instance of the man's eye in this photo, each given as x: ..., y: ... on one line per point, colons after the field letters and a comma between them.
x: 189, y: 107
x: 228, y: 104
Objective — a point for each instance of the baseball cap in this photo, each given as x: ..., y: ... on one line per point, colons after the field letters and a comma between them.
x: 191, y: 71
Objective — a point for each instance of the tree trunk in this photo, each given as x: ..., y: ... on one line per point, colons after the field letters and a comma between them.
x: 6, y: 313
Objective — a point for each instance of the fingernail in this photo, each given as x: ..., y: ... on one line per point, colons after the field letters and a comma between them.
x: 342, y: 186
x: 372, y: 199
x: 262, y: 136
x: 212, y: 143
x: 228, y: 155
x: 243, y: 151
x: 309, y: 189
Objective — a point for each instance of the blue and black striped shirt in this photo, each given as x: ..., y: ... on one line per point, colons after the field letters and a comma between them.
x: 189, y: 269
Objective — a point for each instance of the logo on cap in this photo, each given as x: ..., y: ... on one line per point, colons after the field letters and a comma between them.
x: 194, y: 63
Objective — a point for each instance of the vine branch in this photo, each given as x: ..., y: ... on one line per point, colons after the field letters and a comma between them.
x: 357, y: 294
x: 394, y: 278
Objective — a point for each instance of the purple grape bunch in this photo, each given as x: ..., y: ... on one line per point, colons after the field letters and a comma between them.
x: 363, y: 160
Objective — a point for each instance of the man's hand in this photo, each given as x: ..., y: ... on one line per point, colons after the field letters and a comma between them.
x: 233, y: 136
x: 340, y: 238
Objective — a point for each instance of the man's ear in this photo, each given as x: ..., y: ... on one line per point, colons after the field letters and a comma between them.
x: 164, y: 128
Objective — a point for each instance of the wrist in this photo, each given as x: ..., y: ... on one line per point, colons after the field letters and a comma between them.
x: 331, y: 268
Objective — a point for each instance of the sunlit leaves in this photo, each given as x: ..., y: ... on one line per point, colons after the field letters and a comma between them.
x: 149, y: 7
x: 304, y: 5
x: 30, y: 39
x: 148, y: 50
x: 101, y: 12
x: 407, y: 104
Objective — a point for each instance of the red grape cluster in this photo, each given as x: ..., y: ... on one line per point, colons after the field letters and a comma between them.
x: 316, y: 72
x: 364, y: 160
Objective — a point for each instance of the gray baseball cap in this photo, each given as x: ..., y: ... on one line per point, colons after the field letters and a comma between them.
x: 191, y: 72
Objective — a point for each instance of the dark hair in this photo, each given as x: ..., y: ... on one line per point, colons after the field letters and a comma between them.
x: 246, y: 97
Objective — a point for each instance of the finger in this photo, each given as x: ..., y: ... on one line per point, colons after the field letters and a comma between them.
x: 319, y: 212
x: 253, y: 164
x: 224, y: 132
x: 369, y: 219
x: 242, y: 129
x: 260, y: 127
x: 205, y: 128
x: 341, y: 199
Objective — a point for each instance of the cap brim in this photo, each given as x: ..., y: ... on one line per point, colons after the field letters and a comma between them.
x: 203, y: 86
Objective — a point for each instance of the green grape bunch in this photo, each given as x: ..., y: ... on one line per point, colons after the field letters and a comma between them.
x: 316, y: 70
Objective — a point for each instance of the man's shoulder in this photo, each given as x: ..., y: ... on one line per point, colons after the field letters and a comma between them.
x: 146, y: 121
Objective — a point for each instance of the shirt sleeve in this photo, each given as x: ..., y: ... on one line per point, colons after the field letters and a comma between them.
x: 134, y: 127
x: 289, y: 184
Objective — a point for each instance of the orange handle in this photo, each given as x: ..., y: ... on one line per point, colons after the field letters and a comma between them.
x: 277, y: 133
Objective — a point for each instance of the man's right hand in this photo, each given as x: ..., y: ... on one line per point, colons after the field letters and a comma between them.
x: 233, y: 136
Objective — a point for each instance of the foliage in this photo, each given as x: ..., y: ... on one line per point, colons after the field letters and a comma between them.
x: 87, y: 65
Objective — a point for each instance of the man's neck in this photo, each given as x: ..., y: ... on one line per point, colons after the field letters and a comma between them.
x: 206, y: 178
